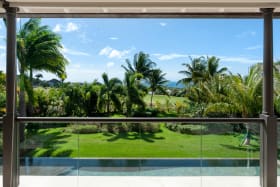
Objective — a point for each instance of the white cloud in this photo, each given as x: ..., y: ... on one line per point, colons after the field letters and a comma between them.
x: 246, y: 34
x: 70, y: 27
x: 242, y: 60
x: 170, y: 56
x: 88, y: 74
x: 73, y: 52
x: 105, y: 51
x: 2, y: 47
x: 118, y: 54
x: 254, y: 47
x: 110, y: 64
x: 163, y: 24
x: 57, y: 28
x: 3, y: 56
x: 77, y: 73
x: 113, y: 53
x: 113, y: 38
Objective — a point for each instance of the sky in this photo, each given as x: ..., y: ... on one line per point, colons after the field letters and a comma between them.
x: 94, y: 46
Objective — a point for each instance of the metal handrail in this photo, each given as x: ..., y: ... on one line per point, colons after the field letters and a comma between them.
x: 135, y: 120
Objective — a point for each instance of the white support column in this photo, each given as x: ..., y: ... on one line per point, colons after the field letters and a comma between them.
x: 10, y: 145
x: 268, y: 160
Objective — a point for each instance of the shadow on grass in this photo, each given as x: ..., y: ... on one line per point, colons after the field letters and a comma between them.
x: 45, y: 144
x: 147, y: 137
x: 253, y: 148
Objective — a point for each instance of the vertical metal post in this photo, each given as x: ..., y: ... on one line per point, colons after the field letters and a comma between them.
x: 10, y: 146
x: 268, y: 160
x: 268, y: 108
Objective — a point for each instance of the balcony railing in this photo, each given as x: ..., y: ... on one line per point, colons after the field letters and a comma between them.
x: 200, y: 151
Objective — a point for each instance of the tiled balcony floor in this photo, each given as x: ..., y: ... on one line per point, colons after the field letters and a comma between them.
x: 131, y: 181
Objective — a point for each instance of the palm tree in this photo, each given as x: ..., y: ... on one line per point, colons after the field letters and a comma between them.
x: 73, y: 99
x: 90, y: 98
x: 38, y: 48
x: 212, y: 67
x: 201, y: 69
x: 246, y: 95
x: 157, y: 81
x: 194, y: 71
x: 133, y: 93
x: 109, y: 92
x: 215, y: 94
x: 141, y: 65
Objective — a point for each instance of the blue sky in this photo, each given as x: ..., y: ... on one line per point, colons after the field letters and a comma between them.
x: 94, y: 46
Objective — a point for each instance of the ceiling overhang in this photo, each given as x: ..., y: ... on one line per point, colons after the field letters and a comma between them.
x: 103, y: 8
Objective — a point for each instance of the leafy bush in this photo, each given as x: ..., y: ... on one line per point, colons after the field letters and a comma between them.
x: 201, y: 129
x: 149, y: 112
x: 145, y: 127
x: 130, y: 127
x: 32, y: 128
x: 84, y: 129
x: 150, y: 128
x: 2, y: 103
x: 218, y: 110
x: 186, y: 128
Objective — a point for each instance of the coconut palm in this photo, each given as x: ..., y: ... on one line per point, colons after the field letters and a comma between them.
x: 215, y: 93
x: 38, y: 48
x: 157, y: 81
x: 109, y: 92
x: 246, y: 95
x: 246, y: 92
x: 276, y: 81
x: 212, y: 68
x: 194, y: 72
x: 201, y: 69
x: 133, y: 93
x: 141, y: 65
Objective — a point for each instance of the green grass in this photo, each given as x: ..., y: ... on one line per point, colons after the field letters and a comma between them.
x: 162, y: 99
x: 59, y: 142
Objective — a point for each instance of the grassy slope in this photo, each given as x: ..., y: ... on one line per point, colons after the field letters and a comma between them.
x: 162, y: 99
x: 163, y: 144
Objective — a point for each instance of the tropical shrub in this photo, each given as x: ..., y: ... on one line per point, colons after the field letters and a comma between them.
x: 2, y: 103
x: 186, y: 128
x: 84, y: 129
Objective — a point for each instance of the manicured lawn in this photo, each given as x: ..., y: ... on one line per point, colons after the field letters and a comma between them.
x: 162, y: 99
x: 59, y: 142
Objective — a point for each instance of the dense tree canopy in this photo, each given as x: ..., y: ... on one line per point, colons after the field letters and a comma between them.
x: 38, y: 48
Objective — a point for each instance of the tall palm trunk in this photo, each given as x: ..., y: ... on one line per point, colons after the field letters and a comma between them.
x: 108, y: 103
x: 128, y: 108
x: 151, y: 104
x: 247, y: 138
x: 30, y: 95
